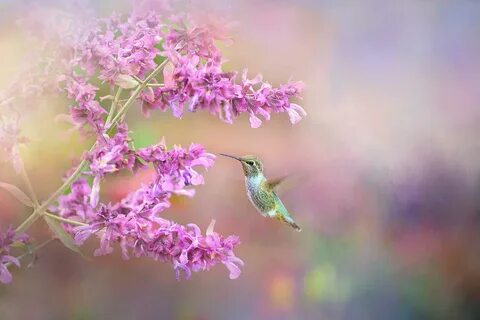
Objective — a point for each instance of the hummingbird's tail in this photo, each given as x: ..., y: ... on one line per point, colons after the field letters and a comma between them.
x: 290, y: 222
x: 294, y: 225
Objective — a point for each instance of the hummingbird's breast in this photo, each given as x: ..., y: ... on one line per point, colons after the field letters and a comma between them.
x: 261, y: 198
x: 253, y: 184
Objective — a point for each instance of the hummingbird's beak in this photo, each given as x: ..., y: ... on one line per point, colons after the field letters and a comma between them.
x: 229, y: 156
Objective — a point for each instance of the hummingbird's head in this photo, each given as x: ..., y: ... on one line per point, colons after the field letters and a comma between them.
x: 252, y: 166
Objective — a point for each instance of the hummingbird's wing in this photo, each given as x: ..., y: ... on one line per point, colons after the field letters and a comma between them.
x: 274, y: 183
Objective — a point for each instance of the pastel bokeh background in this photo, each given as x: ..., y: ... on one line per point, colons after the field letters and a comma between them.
x: 385, y: 173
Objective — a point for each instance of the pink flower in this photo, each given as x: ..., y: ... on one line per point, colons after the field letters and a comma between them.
x: 192, y: 40
x: 160, y: 239
x: 118, y: 47
x: 175, y: 168
x: 111, y: 154
x: 86, y: 110
x: 197, y: 86
x: 134, y: 222
x: 7, y: 240
x: 76, y: 205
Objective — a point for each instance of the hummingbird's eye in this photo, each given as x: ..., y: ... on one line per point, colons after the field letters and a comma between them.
x: 250, y: 163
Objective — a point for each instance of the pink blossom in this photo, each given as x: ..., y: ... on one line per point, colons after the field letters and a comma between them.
x: 7, y: 240
x: 134, y: 222
x: 121, y: 47
x: 86, y: 110
x: 194, y: 86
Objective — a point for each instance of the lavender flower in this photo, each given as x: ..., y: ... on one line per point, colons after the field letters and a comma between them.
x: 7, y: 240
x: 118, y: 47
x: 87, y: 110
x: 190, y: 251
x: 175, y: 168
x: 134, y: 222
x: 121, y: 49
x: 149, y: 200
x: 198, y: 86
x: 76, y: 205
x: 260, y: 98
x: 110, y: 155
x: 141, y: 233
x: 163, y: 240
x: 191, y: 40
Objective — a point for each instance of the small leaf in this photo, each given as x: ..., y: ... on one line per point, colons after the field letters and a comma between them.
x: 210, y: 227
x: 20, y: 245
x: 17, y: 193
x: 62, y: 235
x: 126, y: 82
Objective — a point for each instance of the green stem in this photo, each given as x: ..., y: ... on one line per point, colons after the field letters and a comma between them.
x: 27, y: 181
x: 135, y: 94
x: 38, y: 212
x: 125, y: 107
x: 40, y: 246
x: 138, y: 79
x: 113, y: 107
x: 78, y: 223
x: 31, y: 219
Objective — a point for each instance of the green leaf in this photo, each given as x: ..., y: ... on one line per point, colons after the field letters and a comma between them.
x: 20, y: 245
x: 17, y: 193
x: 126, y: 82
x: 63, y: 236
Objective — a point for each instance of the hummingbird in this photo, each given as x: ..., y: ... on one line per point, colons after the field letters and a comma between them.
x: 261, y: 191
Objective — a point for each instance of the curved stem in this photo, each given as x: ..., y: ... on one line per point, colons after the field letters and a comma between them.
x: 113, y: 107
x: 37, y: 213
x: 31, y: 219
x: 40, y: 246
x: 77, y: 223
x: 135, y: 94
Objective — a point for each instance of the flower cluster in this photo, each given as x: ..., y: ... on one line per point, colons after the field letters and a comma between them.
x: 76, y: 205
x: 8, y: 240
x: 123, y: 51
x: 117, y: 47
x: 198, y: 39
x: 175, y: 168
x: 134, y: 222
x: 118, y: 50
x: 87, y: 110
x: 110, y: 155
x: 195, y: 80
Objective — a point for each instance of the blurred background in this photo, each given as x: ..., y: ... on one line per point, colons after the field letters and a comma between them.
x: 385, y: 173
